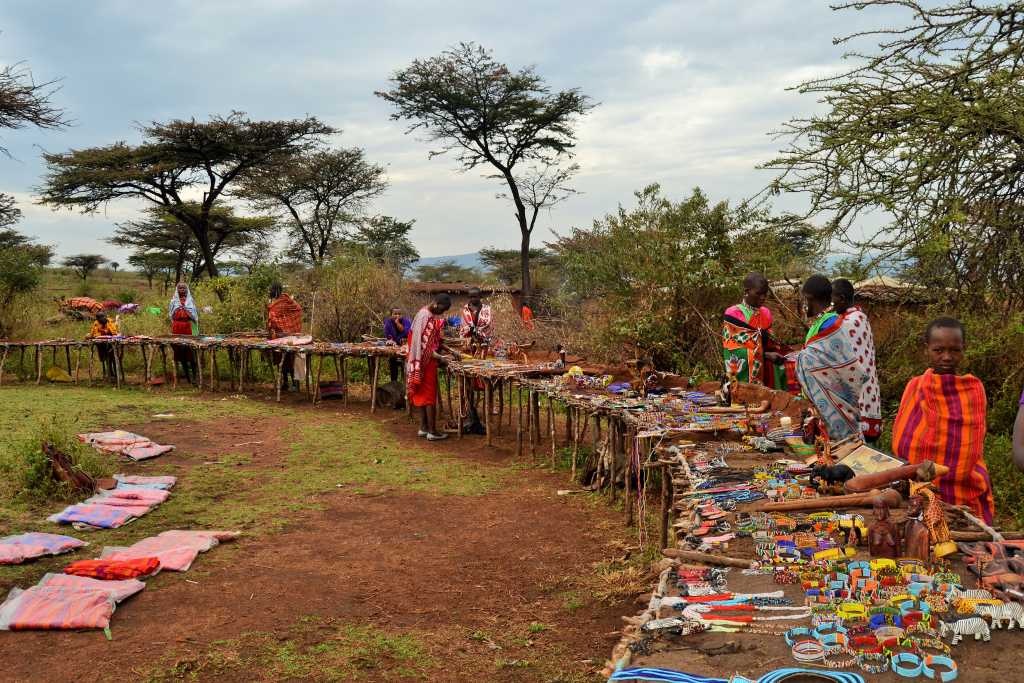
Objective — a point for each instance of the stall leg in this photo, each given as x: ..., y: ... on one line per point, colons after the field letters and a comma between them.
x: 519, y: 424
x: 278, y: 375
x: 319, y: 369
x: 3, y: 362
x: 551, y: 429
x: 39, y: 365
x: 488, y: 403
x: 666, y: 503
x: 374, y: 366
x: 67, y: 356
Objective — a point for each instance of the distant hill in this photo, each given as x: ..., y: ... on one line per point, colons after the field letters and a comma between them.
x: 464, y: 260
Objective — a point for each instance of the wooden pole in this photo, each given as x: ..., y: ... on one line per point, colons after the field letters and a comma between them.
x: 519, y: 423
x: 531, y: 418
x: 78, y: 361
x: 627, y: 452
x: 147, y: 359
x: 344, y: 378
x: 666, y: 503
x: 577, y: 434
x: 3, y: 362
x: 67, y: 355
x: 551, y: 429
x: 278, y: 375
x: 613, y: 448
x: 461, y: 382
x: 117, y: 365
x: 91, y: 347
x: 705, y: 558
x: 319, y: 369
x: 488, y: 402
x: 448, y: 390
x: 39, y: 365
x: 375, y: 363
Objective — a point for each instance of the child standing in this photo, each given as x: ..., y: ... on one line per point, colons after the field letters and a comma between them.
x: 942, y: 418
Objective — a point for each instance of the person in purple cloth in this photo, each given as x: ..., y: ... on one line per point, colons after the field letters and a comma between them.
x: 1018, y: 436
x: 396, y: 331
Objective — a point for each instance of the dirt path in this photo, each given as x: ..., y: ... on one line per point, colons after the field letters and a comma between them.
x: 489, y: 587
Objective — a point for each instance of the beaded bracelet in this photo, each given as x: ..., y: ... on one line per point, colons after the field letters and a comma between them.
x: 808, y: 651
x: 945, y: 676
x: 907, y: 665
x: 834, y: 643
x: 800, y: 632
x: 828, y: 628
x: 931, y: 644
x: 839, y: 659
x: 873, y: 663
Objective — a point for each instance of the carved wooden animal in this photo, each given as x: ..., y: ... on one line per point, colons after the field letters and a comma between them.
x: 971, y: 626
x: 1010, y: 612
x: 971, y: 593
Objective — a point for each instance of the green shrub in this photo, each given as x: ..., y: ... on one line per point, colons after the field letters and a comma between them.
x: 128, y: 296
x: 1007, y: 481
x: 28, y: 472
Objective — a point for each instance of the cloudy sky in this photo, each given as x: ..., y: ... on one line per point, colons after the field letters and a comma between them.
x: 688, y: 91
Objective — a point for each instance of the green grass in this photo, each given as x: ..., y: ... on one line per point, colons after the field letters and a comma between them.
x: 323, y: 450
x: 314, y: 648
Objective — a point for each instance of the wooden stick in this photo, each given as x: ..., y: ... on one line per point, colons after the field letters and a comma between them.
x: 852, y: 500
x: 461, y: 385
x: 966, y: 512
x: 91, y: 348
x: 666, y: 503
x: 344, y: 378
x: 488, y: 401
x: 39, y: 365
x: 577, y: 434
x: 628, y: 453
x: 519, y: 422
x: 448, y: 376
x: 551, y: 429
x: 278, y: 375
x: 531, y: 418
x: 3, y: 362
x: 67, y: 355
x: 174, y: 371
x: 985, y: 536
x: 117, y: 366
x: 706, y: 558
x: 319, y: 369
x: 375, y: 362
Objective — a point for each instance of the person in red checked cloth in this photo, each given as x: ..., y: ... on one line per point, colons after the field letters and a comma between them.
x: 426, y: 344
x: 284, y: 319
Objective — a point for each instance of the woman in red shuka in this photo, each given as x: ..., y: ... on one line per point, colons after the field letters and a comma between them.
x: 426, y: 341
x: 184, y: 322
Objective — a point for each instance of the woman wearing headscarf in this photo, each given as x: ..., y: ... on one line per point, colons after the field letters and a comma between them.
x: 184, y: 322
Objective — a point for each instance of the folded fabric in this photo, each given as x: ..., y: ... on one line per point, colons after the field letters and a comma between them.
x: 147, y: 496
x: 175, y: 549
x: 56, y: 608
x: 102, y: 516
x: 117, y: 589
x: 133, y: 481
x: 114, y: 570
x: 128, y: 444
x: 17, y: 549
x: 292, y: 340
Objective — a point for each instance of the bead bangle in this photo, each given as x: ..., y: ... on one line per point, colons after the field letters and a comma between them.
x: 946, y: 676
x: 907, y: 665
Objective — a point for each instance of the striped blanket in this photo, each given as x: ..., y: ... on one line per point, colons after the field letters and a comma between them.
x: 942, y: 419
x: 17, y: 549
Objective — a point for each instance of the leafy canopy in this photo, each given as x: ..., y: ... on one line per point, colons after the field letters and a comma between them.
x: 924, y: 130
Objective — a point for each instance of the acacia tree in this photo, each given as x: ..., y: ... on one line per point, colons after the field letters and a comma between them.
x: 386, y: 240
x: 175, y: 158
x: 488, y: 115
x: 84, y: 264
x: 23, y: 102
x: 318, y: 193
x: 926, y: 130
x: 161, y: 232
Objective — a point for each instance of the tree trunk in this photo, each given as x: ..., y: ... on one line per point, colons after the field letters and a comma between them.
x: 524, y: 264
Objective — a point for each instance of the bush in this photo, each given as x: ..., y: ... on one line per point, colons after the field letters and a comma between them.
x: 128, y: 296
x: 352, y: 295
x: 24, y: 464
x: 1007, y: 481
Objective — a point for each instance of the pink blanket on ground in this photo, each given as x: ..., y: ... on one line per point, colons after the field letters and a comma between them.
x: 17, y: 549
x: 175, y: 549
x: 56, y: 608
x: 128, y: 444
x: 132, y: 480
x: 118, y: 590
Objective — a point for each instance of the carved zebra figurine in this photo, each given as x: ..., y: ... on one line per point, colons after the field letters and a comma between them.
x: 1010, y: 612
x: 975, y: 626
x: 970, y: 594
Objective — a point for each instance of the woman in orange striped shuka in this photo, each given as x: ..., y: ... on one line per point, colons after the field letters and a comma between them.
x: 942, y: 418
